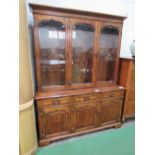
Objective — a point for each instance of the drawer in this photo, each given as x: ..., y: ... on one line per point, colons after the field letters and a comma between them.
x: 82, y: 98
x: 117, y: 93
x: 47, y: 102
x: 64, y: 100
x: 78, y: 99
x: 53, y: 101
x: 111, y: 94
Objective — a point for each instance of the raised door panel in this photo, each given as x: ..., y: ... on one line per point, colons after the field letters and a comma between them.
x: 51, y: 51
x: 110, y: 110
x: 82, y: 51
x: 54, y: 121
x: 84, y: 116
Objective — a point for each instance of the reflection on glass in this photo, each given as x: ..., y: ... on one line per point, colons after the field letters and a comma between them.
x: 107, y: 53
x: 82, y: 52
x: 52, y: 45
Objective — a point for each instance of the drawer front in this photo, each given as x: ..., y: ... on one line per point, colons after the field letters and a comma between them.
x: 53, y: 101
x: 82, y: 98
x: 117, y: 93
x: 79, y: 98
x: 47, y: 102
x: 111, y: 94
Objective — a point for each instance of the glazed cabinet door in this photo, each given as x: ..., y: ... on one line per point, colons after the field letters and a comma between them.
x: 51, y: 50
x: 54, y: 121
x: 108, y: 52
x: 110, y: 110
x: 82, y: 51
x: 84, y: 116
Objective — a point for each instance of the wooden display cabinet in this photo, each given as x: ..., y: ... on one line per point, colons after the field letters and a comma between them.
x: 76, y: 64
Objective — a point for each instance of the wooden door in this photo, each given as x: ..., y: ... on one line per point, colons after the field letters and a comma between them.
x: 51, y: 51
x: 84, y: 116
x: 82, y: 49
x: 108, y: 53
x: 110, y: 110
x: 54, y: 121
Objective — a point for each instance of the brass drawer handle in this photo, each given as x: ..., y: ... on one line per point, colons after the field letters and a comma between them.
x: 63, y: 100
x: 93, y: 97
x: 86, y: 98
x: 112, y: 95
x: 78, y: 99
x: 119, y: 94
x: 105, y: 95
x: 55, y: 102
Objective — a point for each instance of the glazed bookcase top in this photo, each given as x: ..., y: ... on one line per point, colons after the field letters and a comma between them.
x: 75, y: 49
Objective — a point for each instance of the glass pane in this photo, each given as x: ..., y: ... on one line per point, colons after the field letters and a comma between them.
x: 52, y: 44
x: 107, y: 54
x: 82, y: 53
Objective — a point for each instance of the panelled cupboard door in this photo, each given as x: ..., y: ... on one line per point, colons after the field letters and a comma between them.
x: 110, y: 110
x: 51, y: 50
x: 54, y: 121
x: 82, y: 51
x: 107, y: 59
x: 84, y: 116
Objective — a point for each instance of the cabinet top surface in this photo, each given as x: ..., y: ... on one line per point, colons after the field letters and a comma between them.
x: 36, y: 8
x: 49, y: 94
x: 127, y: 58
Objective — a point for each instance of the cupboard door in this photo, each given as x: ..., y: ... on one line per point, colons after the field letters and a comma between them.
x: 54, y: 121
x: 108, y: 52
x: 110, y: 110
x: 52, y: 34
x: 82, y: 49
x: 84, y: 116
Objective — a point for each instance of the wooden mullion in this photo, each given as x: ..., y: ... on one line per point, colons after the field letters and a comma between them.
x: 69, y: 53
x: 118, y: 53
x: 94, y: 56
x: 97, y: 50
x: 70, y: 50
x: 37, y: 55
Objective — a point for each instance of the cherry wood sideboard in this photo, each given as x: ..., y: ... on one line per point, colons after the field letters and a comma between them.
x: 127, y: 79
x: 76, y: 70
x: 70, y: 113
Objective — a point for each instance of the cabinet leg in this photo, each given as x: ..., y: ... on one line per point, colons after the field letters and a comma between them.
x: 117, y: 126
x: 41, y: 144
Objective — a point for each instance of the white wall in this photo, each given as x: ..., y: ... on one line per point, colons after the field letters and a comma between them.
x: 116, y: 7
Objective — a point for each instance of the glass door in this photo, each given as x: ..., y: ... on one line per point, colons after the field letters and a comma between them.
x: 82, y: 50
x: 52, y: 45
x: 107, y: 56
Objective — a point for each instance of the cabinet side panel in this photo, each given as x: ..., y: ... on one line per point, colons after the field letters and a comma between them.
x: 129, y: 109
x: 123, y: 75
